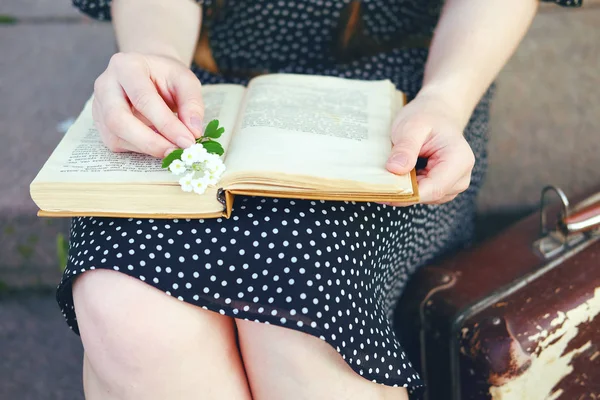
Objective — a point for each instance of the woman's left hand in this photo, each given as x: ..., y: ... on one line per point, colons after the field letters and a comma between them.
x: 427, y: 127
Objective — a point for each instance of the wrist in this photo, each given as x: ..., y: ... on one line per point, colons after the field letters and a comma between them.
x: 448, y: 101
x: 156, y: 27
x: 165, y: 51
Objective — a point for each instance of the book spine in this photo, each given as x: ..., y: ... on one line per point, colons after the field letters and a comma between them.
x: 221, y: 197
x: 226, y: 199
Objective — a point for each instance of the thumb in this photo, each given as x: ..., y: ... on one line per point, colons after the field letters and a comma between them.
x: 190, y: 106
x: 408, y: 140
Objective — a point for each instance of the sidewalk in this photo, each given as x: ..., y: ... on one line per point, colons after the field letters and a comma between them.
x: 48, y: 63
x: 47, y: 69
x: 40, y: 357
x: 545, y: 129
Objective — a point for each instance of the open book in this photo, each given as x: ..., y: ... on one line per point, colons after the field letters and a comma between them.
x: 286, y: 135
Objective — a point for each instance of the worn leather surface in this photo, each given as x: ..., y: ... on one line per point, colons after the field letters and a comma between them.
x: 510, y: 317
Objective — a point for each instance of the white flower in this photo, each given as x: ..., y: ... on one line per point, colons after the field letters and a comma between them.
x: 212, y: 178
x: 220, y: 167
x: 199, y: 185
x: 193, y: 154
x: 200, y: 167
x: 200, y: 151
x: 214, y: 168
x: 187, y: 182
x: 211, y: 160
x: 177, y: 167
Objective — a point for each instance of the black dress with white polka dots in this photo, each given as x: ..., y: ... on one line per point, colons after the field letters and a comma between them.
x: 333, y: 270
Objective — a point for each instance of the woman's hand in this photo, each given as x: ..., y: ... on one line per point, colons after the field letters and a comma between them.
x: 135, y: 100
x: 472, y: 42
x: 427, y: 127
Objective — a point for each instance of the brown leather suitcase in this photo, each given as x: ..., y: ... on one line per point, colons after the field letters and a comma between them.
x: 516, y: 317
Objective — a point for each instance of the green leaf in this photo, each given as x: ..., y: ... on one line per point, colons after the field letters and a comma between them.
x: 220, y: 131
x: 7, y: 19
x: 212, y: 129
x: 174, y: 155
x: 213, y: 147
x: 62, y: 251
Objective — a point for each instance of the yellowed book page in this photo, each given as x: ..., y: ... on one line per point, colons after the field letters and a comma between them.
x: 315, y: 130
x: 82, y: 157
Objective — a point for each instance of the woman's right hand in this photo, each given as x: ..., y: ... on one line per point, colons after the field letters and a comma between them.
x: 134, y: 103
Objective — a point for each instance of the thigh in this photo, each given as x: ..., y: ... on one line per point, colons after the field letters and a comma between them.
x: 285, y: 364
x: 141, y: 343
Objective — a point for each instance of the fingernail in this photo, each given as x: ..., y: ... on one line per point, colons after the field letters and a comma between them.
x: 169, y: 151
x: 196, y: 122
x: 184, y: 142
x: 400, y: 159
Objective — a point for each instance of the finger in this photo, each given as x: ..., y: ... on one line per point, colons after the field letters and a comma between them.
x: 463, y: 184
x: 112, y: 141
x: 188, y: 96
x: 439, y: 181
x: 145, y: 99
x: 118, y: 145
x: 131, y: 134
x: 141, y: 117
x: 118, y: 120
x: 408, y: 138
x: 458, y: 188
x: 451, y: 167
x: 145, y: 121
x: 445, y: 199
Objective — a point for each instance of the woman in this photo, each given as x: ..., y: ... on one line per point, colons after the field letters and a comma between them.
x: 160, y: 321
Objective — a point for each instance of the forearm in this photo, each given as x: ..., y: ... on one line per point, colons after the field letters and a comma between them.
x: 161, y: 27
x: 473, y: 41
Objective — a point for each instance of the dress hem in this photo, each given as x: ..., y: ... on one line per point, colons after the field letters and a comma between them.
x: 414, y: 390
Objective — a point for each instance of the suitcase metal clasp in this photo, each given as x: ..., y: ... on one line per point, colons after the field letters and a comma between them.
x: 575, y: 224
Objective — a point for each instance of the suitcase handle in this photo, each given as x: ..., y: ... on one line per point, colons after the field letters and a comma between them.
x: 575, y: 223
x: 584, y: 217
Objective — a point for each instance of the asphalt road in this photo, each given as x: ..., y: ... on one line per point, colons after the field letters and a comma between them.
x: 40, y: 357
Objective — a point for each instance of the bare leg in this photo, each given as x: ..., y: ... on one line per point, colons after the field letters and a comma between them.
x: 286, y: 364
x: 142, y: 344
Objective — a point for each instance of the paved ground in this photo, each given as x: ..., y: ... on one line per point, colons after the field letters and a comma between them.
x: 40, y: 357
x: 545, y: 124
x: 47, y: 70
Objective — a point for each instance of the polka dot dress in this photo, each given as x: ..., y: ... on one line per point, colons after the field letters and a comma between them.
x: 333, y: 270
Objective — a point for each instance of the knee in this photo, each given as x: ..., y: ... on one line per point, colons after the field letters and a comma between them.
x: 295, y: 364
x: 96, y: 307
x: 109, y: 345
x: 280, y: 347
x: 105, y: 304
x: 141, y: 343
x: 112, y: 313
x: 125, y: 319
